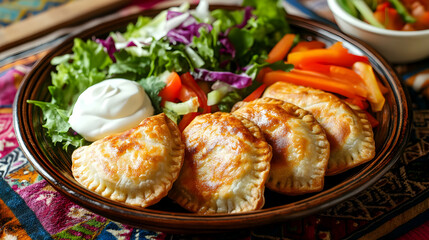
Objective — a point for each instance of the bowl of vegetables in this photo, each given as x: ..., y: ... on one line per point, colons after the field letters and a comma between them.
x: 211, y: 65
x: 398, y: 29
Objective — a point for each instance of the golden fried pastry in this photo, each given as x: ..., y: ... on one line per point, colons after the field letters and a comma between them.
x: 227, y: 162
x: 137, y: 167
x: 299, y: 143
x: 348, y: 130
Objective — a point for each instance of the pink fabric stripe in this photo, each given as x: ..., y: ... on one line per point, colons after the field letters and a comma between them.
x: 420, y: 232
x: 145, y: 4
x: 8, y: 140
x: 7, y: 86
x: 54, y: 211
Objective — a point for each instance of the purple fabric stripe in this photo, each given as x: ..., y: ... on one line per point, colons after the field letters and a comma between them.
x: 89, y: 227
x: 79, y: 234
x: 55, y: 212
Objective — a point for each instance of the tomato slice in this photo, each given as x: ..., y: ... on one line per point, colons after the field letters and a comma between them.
x: 186, y: 93
x: 172, y: 88
x: 189, y: 81
x: 255, y: 94
x: 186, y: 119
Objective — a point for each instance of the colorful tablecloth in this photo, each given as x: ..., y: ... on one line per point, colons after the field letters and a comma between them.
x: 15, y: 10
x: 32, y: 209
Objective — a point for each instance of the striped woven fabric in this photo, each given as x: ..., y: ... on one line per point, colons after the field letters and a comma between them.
x: 15, y: 10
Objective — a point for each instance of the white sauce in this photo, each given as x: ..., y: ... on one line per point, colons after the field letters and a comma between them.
x: 109, y: 107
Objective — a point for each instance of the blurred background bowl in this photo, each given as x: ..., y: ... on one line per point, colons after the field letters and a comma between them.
x: 395, y: 46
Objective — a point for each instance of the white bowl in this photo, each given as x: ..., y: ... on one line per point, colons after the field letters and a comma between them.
x: 395, y: 46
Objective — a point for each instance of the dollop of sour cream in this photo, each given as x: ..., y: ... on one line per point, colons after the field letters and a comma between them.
x: 109, y: 107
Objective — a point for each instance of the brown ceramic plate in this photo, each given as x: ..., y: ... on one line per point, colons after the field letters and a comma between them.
x: 54, y: 164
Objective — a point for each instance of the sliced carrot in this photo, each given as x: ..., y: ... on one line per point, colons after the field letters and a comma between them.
x: 339, y: 73
x: 280, y: 50
x: 345, y: 74
x: 307, y: 45
x: 375, y: 97
x: 358, y: 87
x: 313, y: 80
x: 278, y: 53
x: 315, y: 67
x: 338, y: 46
x: 334, y: 55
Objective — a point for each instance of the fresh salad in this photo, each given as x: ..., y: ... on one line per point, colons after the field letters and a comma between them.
x: 406, y: 15
x: 196, y: 61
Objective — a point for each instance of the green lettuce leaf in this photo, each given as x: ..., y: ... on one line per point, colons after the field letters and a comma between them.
x: 207, y: 47
x: 133, y: 30
x: 269, y: 26
x: 228, y: 18
x: 57, y: 126
x: 71, y: 78
x: 279, y: 65
x: 152, y: 86
x: 159, y: 57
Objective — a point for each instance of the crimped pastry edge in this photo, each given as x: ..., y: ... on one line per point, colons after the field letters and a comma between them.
x: 289, y: 185
x: 257, y: 198
x: 144, y: 198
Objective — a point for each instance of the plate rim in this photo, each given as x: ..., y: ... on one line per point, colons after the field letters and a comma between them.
x: 166, y: 220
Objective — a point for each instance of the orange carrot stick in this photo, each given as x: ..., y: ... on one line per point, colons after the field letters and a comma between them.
x: 313, y: 80
x: 307, y: 45
x: 334, y: 55
x: 375, y: 97
x: 280, y: 50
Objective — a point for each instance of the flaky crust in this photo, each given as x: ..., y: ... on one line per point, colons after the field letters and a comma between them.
x: 348, y: 129
x: 300, y: 146
x: 227, y: 162
x: 137, y: 167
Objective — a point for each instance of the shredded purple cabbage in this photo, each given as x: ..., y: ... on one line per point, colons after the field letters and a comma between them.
x: 247, y: 16
x: 131, y: 44
x: 185, y: 31
x: 227, y: 48
x: 179, y: 35
x: 109, y: 46
x: 236, y: 80
x: 173, y: 14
